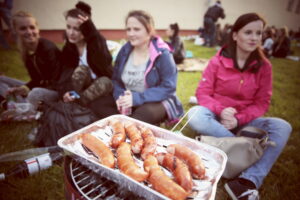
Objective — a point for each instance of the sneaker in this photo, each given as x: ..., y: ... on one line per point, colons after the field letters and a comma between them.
x: 241, y: 189
x: 193, y: 100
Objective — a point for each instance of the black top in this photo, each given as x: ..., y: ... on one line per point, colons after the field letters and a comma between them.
x: 215, y: 12
x: 43, y: 65
x: 178, y: 49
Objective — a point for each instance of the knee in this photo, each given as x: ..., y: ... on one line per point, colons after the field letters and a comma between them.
x: 199, y: 116
x: 33, y: 94
x: 80, y: 71
x: 282, y: 129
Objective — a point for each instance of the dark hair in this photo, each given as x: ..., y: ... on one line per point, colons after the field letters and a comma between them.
x: 269, y: 33
x: 86, y: 8
x: 175, y: 28
x: 74, y: 12
x: 143, y: 17
x: 257, y: 54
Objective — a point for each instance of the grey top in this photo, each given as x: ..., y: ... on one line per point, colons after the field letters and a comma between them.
x: 133, y: 75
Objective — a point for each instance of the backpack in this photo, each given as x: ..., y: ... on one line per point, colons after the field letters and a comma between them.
x: 59, y: 119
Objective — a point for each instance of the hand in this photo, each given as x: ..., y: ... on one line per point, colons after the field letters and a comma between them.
x: 68, y: 98
x: 81, y: 19
x: 125, y: 100
x: 228, y: 119
x: 21, y: 90
x: 230, y: 124
x: 228, y: 113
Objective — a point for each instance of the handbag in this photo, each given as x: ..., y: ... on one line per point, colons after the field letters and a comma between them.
x: 59, y: 119
x: 242, y: 151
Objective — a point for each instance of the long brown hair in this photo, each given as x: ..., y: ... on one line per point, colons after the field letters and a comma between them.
x: 257, y: 54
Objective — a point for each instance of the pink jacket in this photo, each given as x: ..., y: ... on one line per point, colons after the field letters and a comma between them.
x: 223, y: 86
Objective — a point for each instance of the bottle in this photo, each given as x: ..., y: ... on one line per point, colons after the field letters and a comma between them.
x: 32, y: 165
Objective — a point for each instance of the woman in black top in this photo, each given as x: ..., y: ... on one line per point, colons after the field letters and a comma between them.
x: 282, y: 45
x: 176, y: 43
x: 87, y: 63
x: 41, y: 58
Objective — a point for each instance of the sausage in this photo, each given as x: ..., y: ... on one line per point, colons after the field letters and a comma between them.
x: 127, y: 165
x: 119, y: 135
x: 179, y: 169
x: 103, y: 152
x: 91, y: 129
x: 161, y: 182
x: 193, y: 161
x: 150, y: 143
x: 135, y: 137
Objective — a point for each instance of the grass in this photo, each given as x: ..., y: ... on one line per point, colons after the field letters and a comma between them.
x: 281, y: 183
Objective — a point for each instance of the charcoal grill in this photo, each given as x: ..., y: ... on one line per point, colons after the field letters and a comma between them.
x: 83, y: 183
x: 97, y: 187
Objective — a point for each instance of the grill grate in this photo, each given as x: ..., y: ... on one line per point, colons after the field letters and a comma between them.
x: 95, y: 187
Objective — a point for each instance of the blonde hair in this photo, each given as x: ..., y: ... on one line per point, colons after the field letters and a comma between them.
x: 15, y: 17
x: 145, y: 18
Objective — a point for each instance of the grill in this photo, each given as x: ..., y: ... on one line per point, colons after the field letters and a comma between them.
x: 91, y: 180
x: 87, y: 184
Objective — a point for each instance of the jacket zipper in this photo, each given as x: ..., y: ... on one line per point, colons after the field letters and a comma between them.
x: 240, y: 85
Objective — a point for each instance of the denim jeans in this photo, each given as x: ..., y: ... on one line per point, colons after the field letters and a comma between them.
x: 205, y: 122
x: 36, y: 95
x: 6, y: 83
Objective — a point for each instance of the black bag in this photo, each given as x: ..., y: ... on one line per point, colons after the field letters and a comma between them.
x: 59, y: 119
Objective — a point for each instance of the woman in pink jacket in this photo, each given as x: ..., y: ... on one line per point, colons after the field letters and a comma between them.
x: 235, y: 91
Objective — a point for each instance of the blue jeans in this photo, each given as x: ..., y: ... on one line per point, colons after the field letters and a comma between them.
x: 205, y: 122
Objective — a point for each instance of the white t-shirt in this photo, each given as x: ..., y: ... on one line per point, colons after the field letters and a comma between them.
x: 268, y: 44
x: 83, y: 61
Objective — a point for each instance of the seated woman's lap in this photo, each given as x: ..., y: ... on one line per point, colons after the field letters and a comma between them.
x: 104, y: 106
x: 152, y: 113
x: 205, y: 122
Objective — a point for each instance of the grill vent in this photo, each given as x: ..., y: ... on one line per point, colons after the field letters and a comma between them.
x: 95, y: 187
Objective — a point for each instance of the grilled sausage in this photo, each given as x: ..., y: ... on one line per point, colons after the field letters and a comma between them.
x: 103, y: 152
x: 179, y: 169
x: 135, y: 137
x: 127, y: 165
x: 161, y: 182
x: 150, y: 143
x: 193, y: 161
x: 119, y: 135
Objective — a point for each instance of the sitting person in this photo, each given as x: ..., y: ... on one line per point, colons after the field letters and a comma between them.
x: 235, y: 91
x: 176, y: 43
x: 145, y: 74
x: 268, y: 43
x: 42, y: 61
x: 87, y: 63
x: 282, y: 45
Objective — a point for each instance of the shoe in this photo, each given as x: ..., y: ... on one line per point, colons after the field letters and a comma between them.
x: 241, y: 189
x: 193, y: 100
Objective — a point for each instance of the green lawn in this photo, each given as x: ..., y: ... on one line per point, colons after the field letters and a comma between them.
x: 281, y: 183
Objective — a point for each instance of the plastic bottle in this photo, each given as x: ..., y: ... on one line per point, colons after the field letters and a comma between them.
x: 32, y: 165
